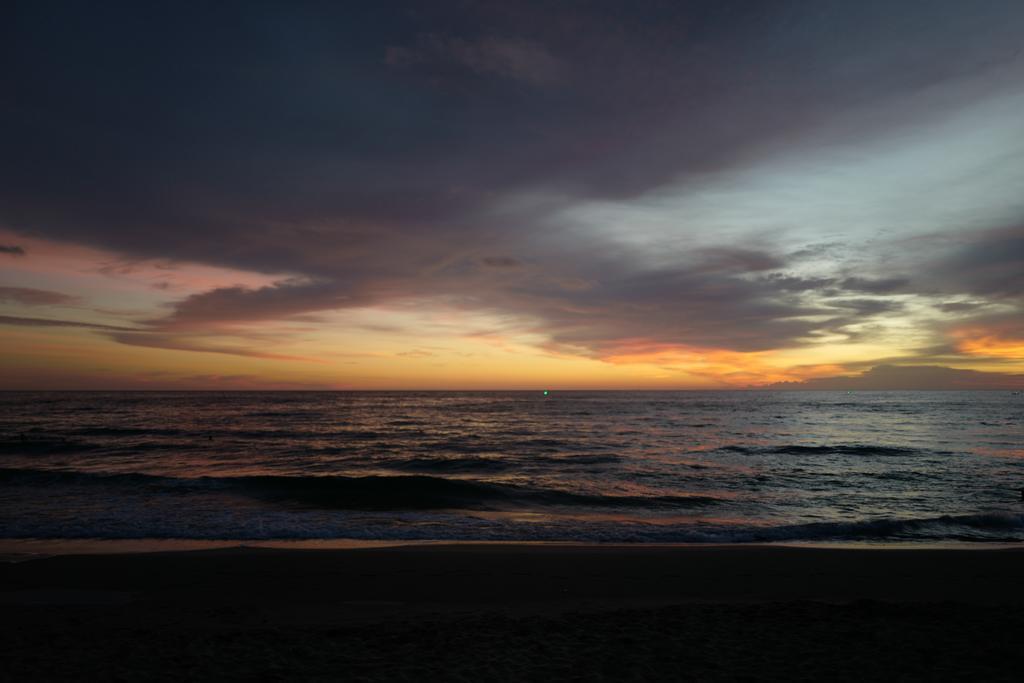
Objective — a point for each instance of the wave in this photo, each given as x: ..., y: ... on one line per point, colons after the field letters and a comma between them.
x: 991, y: 525
x: 195, y: 434
x: 282, y: 413
x: 470, y: 464
x: 855, y: 449
x: 42, y: 445
x: 402, y: 492
x: 446, y: 465
x: 838, y: 449
x: 421, y: 492
x: 472, y: 443
x: 128, y: 431
x: 218, y: 522
x: 897, y: 475
x: 231, y: 434
x: 45, y: 477
x: 582, y: 459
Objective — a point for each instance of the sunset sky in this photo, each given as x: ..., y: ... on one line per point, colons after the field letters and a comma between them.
x: 490, y: 195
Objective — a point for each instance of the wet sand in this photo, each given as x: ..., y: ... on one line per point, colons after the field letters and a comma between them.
x: 515, y: 612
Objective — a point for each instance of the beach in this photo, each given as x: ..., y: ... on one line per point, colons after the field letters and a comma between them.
x: 517, y: 612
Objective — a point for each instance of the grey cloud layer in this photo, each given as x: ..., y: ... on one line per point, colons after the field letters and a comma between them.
x: 396, y: 151
x: 48, y: 322
x: 28, y: 296
x: 896, y: 378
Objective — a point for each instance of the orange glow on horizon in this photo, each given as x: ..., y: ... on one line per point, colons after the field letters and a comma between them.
x: 720, y: 365
x: 989, y: 344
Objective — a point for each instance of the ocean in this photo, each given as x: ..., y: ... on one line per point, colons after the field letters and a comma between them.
x: 623, y: 467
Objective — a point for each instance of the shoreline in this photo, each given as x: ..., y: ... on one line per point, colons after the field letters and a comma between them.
x: 26, y: 549
x: 500, y: 573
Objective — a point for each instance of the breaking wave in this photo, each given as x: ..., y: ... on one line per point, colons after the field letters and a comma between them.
x: 402, y: 492
x: 839, y: 449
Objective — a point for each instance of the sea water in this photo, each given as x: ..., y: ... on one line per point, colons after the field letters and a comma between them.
x: 656, y: 467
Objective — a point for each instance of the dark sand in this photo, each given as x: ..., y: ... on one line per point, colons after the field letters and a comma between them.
x: 512, y: 612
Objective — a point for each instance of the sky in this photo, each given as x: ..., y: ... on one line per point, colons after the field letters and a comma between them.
x: 512, y: 195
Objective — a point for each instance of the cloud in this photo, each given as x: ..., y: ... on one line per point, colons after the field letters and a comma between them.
x: 177, y: 343
x: 63, y: 378
x: 500, y: 262
x: 520, y: 60
x: 657, y: 94
x: 867, y: 307
x: 697, y: 175
x: 35, y: 297
x: 989, y: 336
x: 234, y: 305
x: 417, y: 353
x: 12, y: 250
x: 879, y: 286
x: 960, y: 306
x: 47, y: 322
x: 704, y: 302
x: 707, y: 304
x: 910, y: 378
x: 988, y: 264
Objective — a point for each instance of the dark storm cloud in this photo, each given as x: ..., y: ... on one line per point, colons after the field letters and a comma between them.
x: 377, y: 151
x: 12, y: 250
